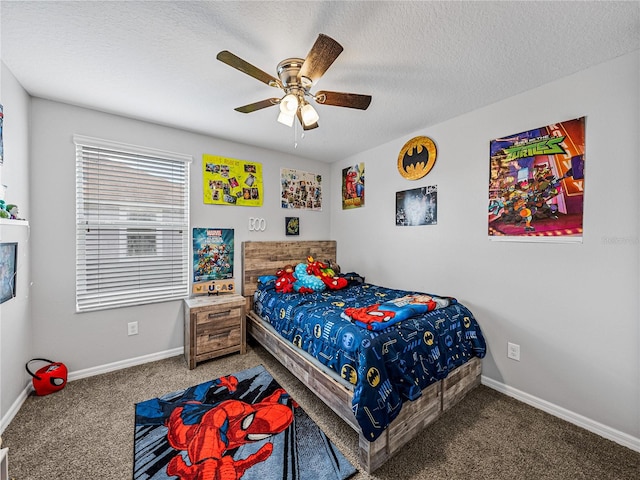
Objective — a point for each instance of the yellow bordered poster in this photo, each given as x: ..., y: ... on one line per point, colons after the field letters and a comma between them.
x: 229, y: 181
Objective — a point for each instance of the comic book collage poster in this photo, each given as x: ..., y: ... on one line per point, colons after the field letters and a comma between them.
x: 301, y: 190
x: 353, y: 186
x: 536, y: 184
x: 212, y: 254
x: 418, y: 206
x: 228, y: 181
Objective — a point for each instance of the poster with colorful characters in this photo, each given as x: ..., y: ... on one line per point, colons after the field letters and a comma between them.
x: 353, y: 186
x: 418, y: 206
x: 228, y: 181
x: 212, y: 254
x: 536, y: 184
x: 300, y: 189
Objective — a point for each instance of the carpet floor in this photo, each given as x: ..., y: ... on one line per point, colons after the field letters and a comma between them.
x: 85, y: 431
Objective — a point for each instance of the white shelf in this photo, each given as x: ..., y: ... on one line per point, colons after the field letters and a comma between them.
x: 7, y: 221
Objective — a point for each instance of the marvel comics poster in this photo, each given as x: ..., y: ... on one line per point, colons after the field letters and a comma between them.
x: 228, y: 181
x: 536, y: 184
x: 212, y: 254
x: 300, y: 189
x: 418, y: 206
x: 353, y: 186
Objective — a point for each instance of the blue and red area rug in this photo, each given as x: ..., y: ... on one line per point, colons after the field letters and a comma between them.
x: 239, y: 426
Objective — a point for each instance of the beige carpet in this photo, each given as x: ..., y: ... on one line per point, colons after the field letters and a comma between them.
x: 85, y: 431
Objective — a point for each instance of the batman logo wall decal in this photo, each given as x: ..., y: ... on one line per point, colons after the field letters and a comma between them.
x: 417, y: 158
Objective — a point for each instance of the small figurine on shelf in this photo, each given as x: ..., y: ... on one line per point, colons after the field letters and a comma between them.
x: 9, y: 211
x: 13, y: 211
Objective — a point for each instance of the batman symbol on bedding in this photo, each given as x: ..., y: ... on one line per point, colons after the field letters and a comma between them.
x: 373, y: 377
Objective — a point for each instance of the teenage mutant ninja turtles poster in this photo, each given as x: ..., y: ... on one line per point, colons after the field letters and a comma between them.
x: 536, y: 184
x: 228, y: 181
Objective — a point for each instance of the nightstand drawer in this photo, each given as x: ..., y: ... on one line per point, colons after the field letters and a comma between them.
x: 217, y: 339
x: 220, y: 315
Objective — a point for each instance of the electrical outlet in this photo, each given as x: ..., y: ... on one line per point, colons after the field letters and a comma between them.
x: 513, y: 351
x: 132, y: 328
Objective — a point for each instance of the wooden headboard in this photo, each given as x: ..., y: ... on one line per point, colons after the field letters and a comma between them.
x: 265, y: 258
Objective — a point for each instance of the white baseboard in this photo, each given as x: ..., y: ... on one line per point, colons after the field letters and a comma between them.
x: 131, y: 362
x: 15, y: 408
x: 609, y: 433
x: 88, y: 372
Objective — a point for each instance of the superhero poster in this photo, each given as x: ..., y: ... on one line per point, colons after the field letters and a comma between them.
x: 243, y: 425
x: 353, y: 186
x: 212, y: 254
x: 418, y: 206
x: 536, y: 184
x: 300, y: 189
x: 227, y: 181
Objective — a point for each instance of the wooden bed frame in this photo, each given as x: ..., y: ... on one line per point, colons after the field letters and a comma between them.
x: 265, y: 258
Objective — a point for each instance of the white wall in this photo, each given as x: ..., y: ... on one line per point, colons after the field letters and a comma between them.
x: 15, y: 315
x: 94, y: 339
x: 573, y: 308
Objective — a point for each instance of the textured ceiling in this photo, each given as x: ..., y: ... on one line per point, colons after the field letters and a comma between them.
x: 423, y: 62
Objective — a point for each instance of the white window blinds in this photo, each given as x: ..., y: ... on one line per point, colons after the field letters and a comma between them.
x: 132, y: 225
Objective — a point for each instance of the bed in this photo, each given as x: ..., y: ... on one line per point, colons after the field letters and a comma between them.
x: 388, y: 410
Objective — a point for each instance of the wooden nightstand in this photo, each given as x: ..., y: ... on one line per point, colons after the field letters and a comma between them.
x: 213, y: 326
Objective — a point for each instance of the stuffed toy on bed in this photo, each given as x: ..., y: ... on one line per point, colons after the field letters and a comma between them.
x: 313, y: 276
x: 326, y: 274
x: 307, y: 282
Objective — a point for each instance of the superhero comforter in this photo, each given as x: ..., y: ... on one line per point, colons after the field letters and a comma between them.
x: 387, y: 366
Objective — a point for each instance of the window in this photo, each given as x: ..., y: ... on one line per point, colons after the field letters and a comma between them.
x: 132, y: 225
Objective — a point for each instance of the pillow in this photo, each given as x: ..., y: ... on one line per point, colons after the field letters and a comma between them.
x: 267, y: 282
x: 353, y: 278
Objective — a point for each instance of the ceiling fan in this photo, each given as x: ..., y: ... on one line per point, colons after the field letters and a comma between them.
x: 296, y: 77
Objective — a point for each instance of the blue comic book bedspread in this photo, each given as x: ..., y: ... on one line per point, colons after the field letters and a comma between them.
x: 387, y: 366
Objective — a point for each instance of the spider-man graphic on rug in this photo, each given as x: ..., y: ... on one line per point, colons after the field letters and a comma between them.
x: 239, y: 426
x: 222, y: 428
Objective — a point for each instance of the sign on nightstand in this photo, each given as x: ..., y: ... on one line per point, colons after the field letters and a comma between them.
x: 214, y: 287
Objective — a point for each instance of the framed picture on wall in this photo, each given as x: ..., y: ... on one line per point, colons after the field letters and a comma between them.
x: 418, y: 206
x: 292, y: 225
x: 8, y: 267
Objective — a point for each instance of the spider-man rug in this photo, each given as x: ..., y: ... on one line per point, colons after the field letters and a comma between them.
x: 242, y: 426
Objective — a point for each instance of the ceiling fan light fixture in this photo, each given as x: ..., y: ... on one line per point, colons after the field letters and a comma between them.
x: 309, y: 115
x: 286, y: 119
x: 289, y: 104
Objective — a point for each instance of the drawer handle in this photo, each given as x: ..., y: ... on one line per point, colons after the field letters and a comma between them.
x: 219, y: 314
x: 218, y: 335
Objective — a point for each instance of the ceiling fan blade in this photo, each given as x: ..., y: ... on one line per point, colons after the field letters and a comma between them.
x: 305, y: 127
x: 340, y: 99
x: 252, y: 107
x: 320, y: 57
x: 245, y: 67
